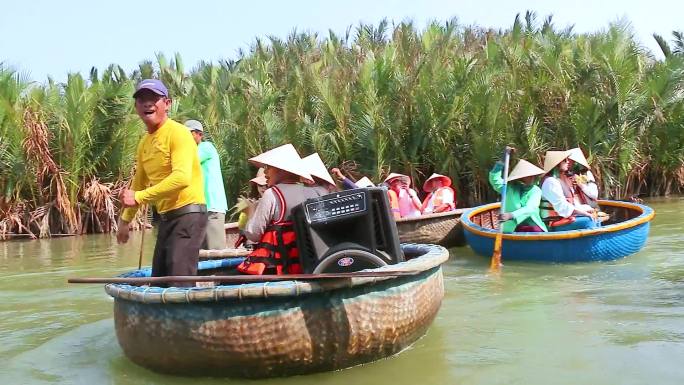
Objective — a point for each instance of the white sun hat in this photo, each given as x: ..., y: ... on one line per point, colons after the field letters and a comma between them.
x: 317, y: 168
x: 284, y: 158
x: 194, y: 125
x: 524, y: 169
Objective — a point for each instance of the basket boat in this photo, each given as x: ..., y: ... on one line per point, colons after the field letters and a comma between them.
x: 442, y: 229
x: 278, y: 328
x: 623, y: 234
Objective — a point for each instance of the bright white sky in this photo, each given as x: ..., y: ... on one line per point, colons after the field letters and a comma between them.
x: 47, y: 37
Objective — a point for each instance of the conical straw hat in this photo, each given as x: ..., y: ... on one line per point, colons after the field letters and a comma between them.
x: 552, y: 158
x: 577, y: 155
x: 395, y: 175
x: 364, y: 182
x: 284, y: 158
x: 446, y: 181
x: 260, y: 178
x: 317, y: 168
x: 524, y: 169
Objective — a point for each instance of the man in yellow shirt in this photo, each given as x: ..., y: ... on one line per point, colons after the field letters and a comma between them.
x: 167, y: 175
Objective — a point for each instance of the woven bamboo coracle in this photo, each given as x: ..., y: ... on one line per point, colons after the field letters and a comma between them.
x: 279, y: 328
x: 442, y: 229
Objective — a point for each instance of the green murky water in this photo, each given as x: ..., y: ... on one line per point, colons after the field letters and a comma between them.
x: 599, y: 323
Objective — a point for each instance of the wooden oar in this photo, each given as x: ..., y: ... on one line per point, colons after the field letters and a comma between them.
x: 244, y: 278
x: 142, y: 237
x: 495, y: 265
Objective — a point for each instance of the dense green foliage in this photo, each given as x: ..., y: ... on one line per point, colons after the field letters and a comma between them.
x: 445, y: 99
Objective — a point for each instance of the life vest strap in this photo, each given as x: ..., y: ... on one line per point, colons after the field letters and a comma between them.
x: 273, y: 248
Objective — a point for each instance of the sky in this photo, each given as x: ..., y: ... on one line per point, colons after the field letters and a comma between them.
x: 42, y: 38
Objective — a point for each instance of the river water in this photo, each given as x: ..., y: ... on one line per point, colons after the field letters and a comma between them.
x: 599, y: 323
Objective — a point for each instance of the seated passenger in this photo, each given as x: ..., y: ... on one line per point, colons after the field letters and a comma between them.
x: 246, y: 206
x: 440, y: 197
x: 347, y: 183
x: 586, y: 191
x: 406, y: 197
x: 270, y: 225
x: 558, y: 198
x: 523, y: 196
x: 323, y: 182
x: 260, y: 181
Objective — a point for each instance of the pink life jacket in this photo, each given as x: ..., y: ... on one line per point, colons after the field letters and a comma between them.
x: 406, y: 206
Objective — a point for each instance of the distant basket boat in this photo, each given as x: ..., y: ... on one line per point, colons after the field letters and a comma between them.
x: 442, y: 229
x: 624, y: 234
x: 278, y: 328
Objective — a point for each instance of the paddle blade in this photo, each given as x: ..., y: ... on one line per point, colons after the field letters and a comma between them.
x: 496, y: 255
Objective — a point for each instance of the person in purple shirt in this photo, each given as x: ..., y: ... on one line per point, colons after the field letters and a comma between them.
x: 348, y: 184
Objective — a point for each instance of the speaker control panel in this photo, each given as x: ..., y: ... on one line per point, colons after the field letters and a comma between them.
x: 336, y: 206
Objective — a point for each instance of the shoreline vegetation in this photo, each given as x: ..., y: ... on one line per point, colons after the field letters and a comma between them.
x: 382, y: 97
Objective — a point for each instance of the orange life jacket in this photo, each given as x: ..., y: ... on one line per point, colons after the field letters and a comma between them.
x: 394, y: 203
x: 277, y: 241
x: 438, y: 199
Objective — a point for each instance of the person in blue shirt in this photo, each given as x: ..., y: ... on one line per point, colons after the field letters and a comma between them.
x: 214, y: 191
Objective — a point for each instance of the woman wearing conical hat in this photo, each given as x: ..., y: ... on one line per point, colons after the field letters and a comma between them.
x: 586, y: 191
x: 558, y: 196
x: 323, y: 182
x: 441, y: 197
x: 521, y: 209
x: 406, y: 197
x: 260, y: 181
x: 246, y: 206
x: 270, y: 224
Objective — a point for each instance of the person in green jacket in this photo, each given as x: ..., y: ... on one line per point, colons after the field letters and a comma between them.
x: 214, y: 192
x: 523, y: 196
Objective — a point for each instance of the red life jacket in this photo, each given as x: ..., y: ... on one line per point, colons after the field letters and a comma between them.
x: 276, y: 252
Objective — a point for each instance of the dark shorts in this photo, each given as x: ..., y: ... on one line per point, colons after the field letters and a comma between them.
x: 178, y: 245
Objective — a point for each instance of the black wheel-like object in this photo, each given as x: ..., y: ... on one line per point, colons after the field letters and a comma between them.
x: 348, y: 257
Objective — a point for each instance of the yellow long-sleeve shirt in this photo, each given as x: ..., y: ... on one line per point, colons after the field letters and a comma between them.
x: 168, y: 172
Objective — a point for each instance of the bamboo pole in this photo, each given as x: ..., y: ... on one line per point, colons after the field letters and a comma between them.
x: 142, y: 237
x: 243, y: 278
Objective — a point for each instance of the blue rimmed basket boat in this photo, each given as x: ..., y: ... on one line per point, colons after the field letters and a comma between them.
x: 623, y: 234
x: 278, y: 328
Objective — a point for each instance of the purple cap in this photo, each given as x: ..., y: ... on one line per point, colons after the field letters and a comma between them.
x: 153, y: 85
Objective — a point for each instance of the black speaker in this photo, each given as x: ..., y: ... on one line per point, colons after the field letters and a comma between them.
x: 346, y: 231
